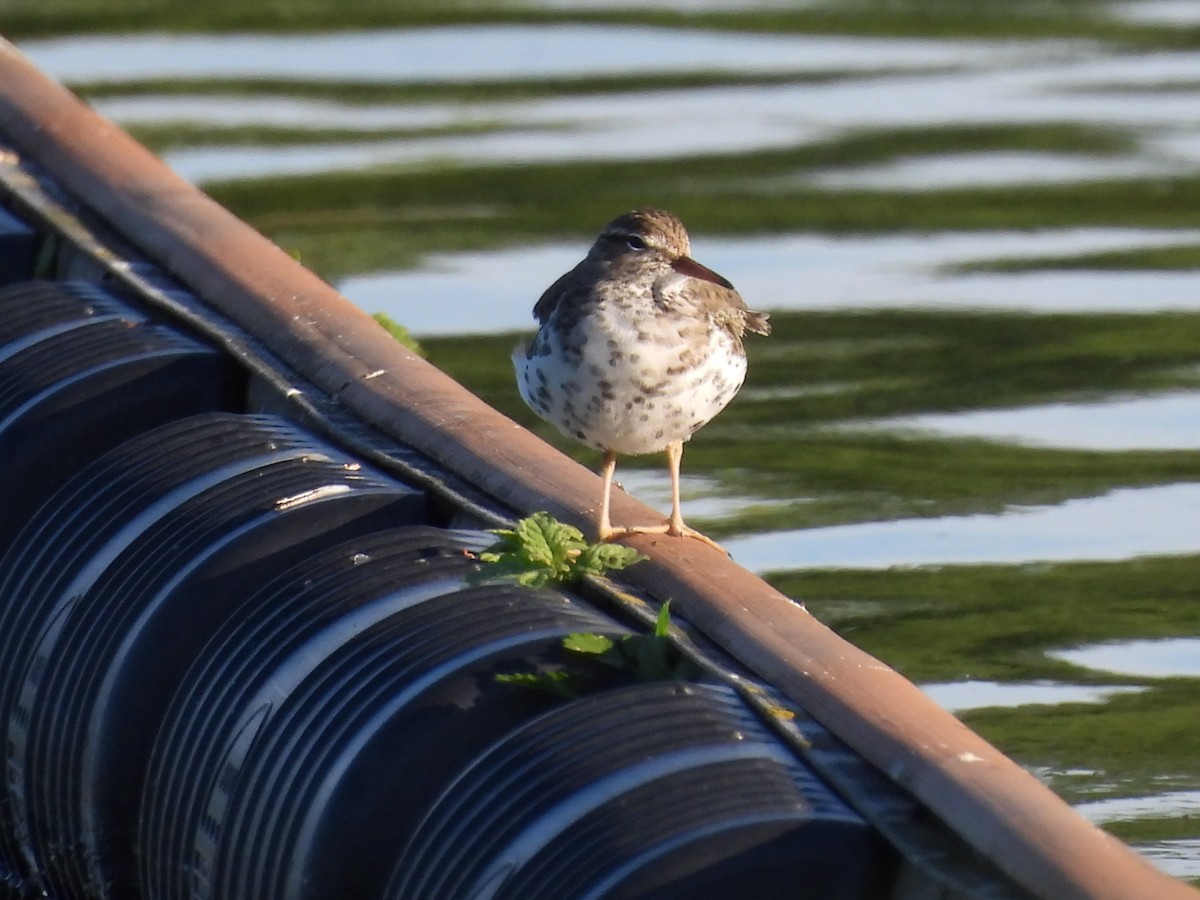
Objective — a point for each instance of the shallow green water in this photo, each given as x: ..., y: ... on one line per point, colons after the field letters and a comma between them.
x: 817, y: 441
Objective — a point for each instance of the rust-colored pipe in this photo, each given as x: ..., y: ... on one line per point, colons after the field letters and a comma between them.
x: 995, y: 805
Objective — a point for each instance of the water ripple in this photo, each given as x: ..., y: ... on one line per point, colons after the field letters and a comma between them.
x: 1122, y: 524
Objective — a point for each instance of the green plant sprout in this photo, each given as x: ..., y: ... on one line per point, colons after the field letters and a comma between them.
x: 634, y: 657
x: 399, y: 332
x: 645, y: 657
x: 541, y: 550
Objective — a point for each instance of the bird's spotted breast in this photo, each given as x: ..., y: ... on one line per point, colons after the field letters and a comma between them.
x: 632, y: 401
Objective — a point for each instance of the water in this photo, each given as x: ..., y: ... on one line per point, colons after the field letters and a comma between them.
x: 994, y: 169
x: 1161, y: 421
x: 930, y: 83
x: 1123, y: 524
x: 488, y: 292
x: 960, y: 696
x: 1180, y: 857
x: 1172, y: 12
x: 471, y: 53
x: 1128, y: 519
x: 1162, y: 658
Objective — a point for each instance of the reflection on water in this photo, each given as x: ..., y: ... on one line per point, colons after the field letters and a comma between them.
x: 1169, y: 421
x: 1163, y: 658
x: 487, y: 52
x: 1169, y: 12
x: 281, y: 112
x: 1181, y: 856
x: 1172, y: 803
x: 494, y: 291
x: 702, y: 496
x: 680, y: 5
x: 999, y: 87
x: 1122, y: 524
x: 992, y: 169
x: 960, y: 696
x: 944, y: 82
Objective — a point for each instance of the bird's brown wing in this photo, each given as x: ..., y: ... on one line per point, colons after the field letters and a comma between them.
x: 720, y: 300
x: 726, y: 307
x: 758, y: 322
x: 552, y: 295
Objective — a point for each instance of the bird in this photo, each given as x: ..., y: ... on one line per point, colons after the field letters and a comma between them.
x: 638, y: 347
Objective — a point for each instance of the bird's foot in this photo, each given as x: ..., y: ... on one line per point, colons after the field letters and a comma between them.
x: 670, y: 528
x: 611, y: 533
x: 685, y: 531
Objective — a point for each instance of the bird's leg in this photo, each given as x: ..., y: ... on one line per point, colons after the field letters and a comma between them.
x: 604, y: 529
x: 674, y: 457
x: 675, y: 524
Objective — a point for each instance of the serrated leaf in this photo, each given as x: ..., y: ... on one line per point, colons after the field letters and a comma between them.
x: 534, y: 544
x: 559, y: 533
x: 597, y: 559
x: 534, y: 578
x: 588, y: 642
x: 542, y: 550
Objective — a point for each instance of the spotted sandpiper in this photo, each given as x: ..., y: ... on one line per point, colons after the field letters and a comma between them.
x: 638, y: 347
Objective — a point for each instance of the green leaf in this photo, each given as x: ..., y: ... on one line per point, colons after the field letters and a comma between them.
x: 398, y: 332
x: 662, y: 627
x: 535, y: 541
x: 588, y: 642
x: 596, y: 559
x: 652, y: 657
x: 542, y: 550
x: 558, y: 682
x: 534, y: 579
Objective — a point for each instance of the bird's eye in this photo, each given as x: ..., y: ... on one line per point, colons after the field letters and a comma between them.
x: 635, y: 242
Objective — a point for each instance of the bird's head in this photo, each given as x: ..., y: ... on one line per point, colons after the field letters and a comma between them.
x: 654, y: 242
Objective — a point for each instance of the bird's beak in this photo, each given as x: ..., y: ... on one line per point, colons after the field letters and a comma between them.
x: 685, y: 265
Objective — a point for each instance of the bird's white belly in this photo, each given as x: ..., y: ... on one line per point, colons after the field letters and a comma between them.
x: 628, y: 395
